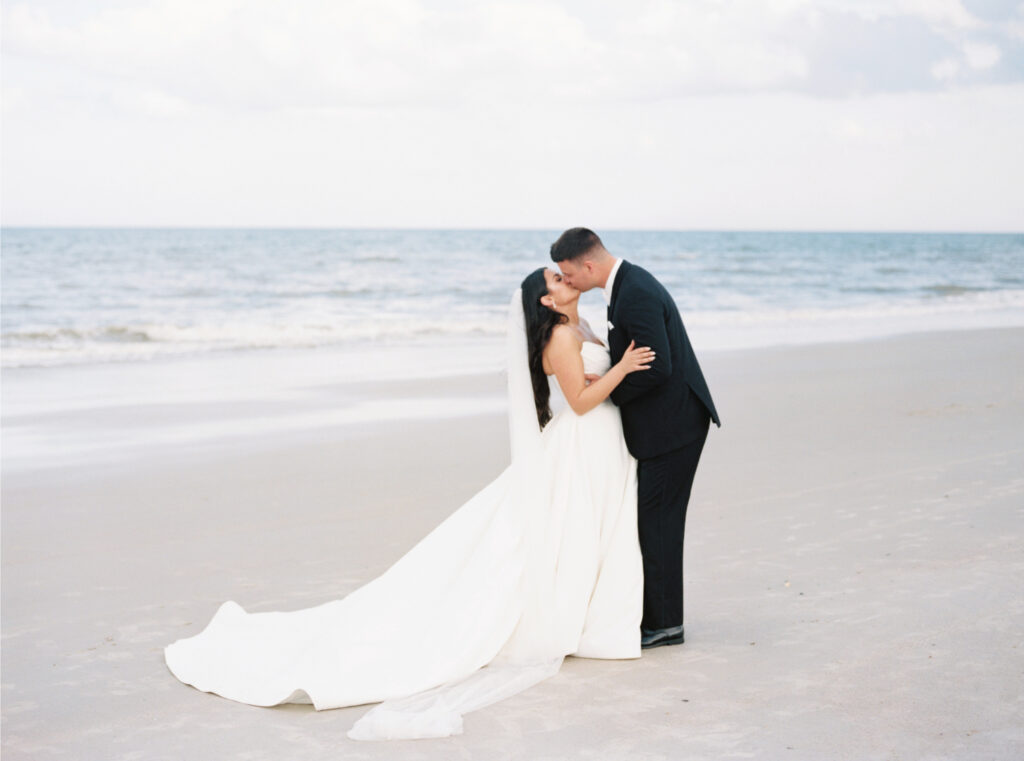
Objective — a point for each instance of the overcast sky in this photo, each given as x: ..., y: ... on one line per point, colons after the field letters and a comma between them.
x: 753, y: 114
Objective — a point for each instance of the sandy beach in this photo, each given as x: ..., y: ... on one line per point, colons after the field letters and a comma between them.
x: 854, y: 566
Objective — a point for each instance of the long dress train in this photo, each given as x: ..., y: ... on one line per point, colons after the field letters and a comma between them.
x: 542, y: 563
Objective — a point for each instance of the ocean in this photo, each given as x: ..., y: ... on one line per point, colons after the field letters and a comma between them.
x: 82, y: 296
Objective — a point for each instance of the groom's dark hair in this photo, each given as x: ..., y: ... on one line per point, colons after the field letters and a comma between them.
x: 574, y: 243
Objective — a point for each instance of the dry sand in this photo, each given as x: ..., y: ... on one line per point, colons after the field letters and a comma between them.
x: 854, y: 575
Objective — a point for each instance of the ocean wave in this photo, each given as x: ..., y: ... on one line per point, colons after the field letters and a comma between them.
x: 343, y: 293
x: 115, y: 333
x: 952, y: 289
x: 676, y: 256
x: 384, y: 258
x: 874, y: 290
x: 151, y: 341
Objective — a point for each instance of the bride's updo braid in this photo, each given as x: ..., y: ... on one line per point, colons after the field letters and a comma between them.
x: 540, y: 321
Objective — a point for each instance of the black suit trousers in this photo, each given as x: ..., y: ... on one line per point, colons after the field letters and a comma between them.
x: 663, y: 492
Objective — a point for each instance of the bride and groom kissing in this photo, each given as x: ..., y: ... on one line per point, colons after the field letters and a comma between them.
x: 576, y: 548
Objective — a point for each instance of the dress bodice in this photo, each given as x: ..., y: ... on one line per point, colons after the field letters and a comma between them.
x: 595, y: 358
x: 596, y: 361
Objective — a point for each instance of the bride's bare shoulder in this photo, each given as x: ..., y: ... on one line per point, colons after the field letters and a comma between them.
x: 563, y: 336
x: 563, y: 341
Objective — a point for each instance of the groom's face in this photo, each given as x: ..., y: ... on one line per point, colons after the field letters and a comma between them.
x: 579, y: 273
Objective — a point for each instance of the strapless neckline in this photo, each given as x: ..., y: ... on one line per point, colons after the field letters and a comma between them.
x: 595, y: 358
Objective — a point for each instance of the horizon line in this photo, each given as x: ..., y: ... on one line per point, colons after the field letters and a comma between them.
x: 402, y: 228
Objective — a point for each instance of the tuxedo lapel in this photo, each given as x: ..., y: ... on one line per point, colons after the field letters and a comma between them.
x: 617, y: 287
x: 615, y: 345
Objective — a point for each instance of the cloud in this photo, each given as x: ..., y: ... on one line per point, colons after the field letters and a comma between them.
x: 936, y: 13
x: 946, y: 69
x: 262, y: 54
x: 981, y: 55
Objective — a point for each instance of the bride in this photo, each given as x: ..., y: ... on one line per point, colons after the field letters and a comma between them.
x: 542, y: 563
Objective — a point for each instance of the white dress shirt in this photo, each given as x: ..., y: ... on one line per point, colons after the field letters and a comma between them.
x: 607, y: 290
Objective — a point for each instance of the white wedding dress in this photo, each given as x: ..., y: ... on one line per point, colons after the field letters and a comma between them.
x: 542, y: 563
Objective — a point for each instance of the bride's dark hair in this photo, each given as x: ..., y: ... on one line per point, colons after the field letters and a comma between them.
x: 540, y: 321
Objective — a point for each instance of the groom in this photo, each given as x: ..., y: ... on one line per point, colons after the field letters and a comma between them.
x: 666, y: 412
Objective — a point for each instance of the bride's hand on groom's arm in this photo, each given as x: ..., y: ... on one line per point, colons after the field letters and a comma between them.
x: 634, y: 358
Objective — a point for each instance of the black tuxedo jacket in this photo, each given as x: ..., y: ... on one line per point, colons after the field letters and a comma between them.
x: 665, y: 407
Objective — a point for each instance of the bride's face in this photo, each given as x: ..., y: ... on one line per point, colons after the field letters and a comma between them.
x: 559, y: 292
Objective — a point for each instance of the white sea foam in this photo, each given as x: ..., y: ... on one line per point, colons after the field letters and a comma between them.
x: 737, y: 329
x: 741, y: 325
x: 147, y: 341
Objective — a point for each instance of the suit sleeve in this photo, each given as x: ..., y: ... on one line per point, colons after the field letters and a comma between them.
x: 643, y: 320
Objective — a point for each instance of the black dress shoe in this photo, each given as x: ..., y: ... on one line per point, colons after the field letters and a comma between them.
x: 657, y: 637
